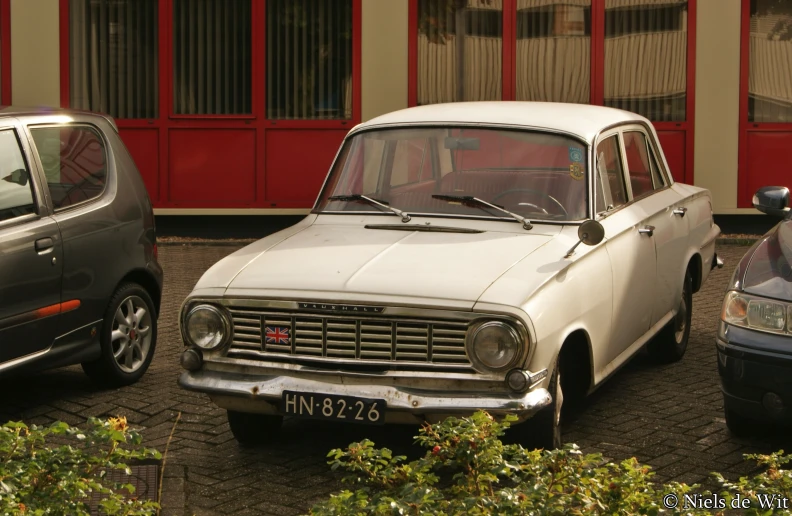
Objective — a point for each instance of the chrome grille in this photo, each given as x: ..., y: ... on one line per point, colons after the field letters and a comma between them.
x: 365, y: 339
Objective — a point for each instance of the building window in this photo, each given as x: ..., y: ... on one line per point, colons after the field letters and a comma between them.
x: 553, y: 50
x: 212, y: 57
x: 770, y: 62
x: 460, y: 50
x: 113, y: 57
x: 309, y: 59
x: 646, y: 58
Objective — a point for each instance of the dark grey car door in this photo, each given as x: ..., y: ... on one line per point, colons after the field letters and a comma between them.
x: 31, y: 257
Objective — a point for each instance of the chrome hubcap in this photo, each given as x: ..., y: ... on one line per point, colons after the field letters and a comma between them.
x: 131, y: 334
x: 681, y: 318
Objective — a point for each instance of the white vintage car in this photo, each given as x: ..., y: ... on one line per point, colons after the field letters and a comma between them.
x: 506, y: 256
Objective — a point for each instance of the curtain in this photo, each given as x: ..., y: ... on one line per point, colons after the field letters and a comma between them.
x: 554, y: 50
x: 309, y: 59
x: 646, y: 58
x: 770, y: 62
x: 460, y: 50
x: 113, y: 61
x: 211, y: 57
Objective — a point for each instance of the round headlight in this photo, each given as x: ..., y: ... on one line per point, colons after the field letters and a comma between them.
x: 494, y: 346
x: 206, y: 327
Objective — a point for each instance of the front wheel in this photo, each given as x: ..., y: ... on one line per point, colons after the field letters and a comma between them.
x: 544, y: 429
x: 128, y: 338
x: 253, y: 429
x: 670, y: 344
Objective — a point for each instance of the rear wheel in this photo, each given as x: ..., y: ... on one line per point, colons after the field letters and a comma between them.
x: 671, y: 343
x: 254, y: 429
x: 128, y: 338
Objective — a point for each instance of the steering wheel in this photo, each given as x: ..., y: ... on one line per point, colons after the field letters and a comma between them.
x: 531, y: 190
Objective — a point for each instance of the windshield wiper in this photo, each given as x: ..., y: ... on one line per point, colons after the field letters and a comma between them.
x: 475, y: 202
x: 405, y: 217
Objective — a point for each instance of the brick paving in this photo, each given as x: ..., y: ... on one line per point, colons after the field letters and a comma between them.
x: 670, y: 417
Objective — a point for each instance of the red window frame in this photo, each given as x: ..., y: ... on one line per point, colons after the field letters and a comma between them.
x: 5, y: 52
x: 257, y: 119
x: 744, y: 193
x: 597, y: 76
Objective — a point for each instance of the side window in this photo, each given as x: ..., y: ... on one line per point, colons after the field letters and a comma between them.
x: 74, y: 161
x: 609, y: 166
x: 16, y: 188
x: 643, y: 176
x: 657, y: 174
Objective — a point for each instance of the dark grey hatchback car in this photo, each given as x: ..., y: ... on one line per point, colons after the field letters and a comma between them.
x: 79, y: 277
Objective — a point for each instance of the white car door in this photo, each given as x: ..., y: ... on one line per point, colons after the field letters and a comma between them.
x: 631, y: 251
x: 648, y: 186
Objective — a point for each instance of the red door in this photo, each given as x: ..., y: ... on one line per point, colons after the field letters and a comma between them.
x: 765, y: 97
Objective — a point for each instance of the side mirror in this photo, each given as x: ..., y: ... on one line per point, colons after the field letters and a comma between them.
x: 19, y: 176
x: 773, y: 200
x: 590, y: 232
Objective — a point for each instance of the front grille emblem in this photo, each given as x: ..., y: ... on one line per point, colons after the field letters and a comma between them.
x: 332, y: 307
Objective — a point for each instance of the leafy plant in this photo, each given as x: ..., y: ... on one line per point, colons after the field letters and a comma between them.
x: 467, y: 469
x: 56, y: 469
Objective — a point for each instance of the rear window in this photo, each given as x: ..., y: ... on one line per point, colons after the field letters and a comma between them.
x: 74, y: 161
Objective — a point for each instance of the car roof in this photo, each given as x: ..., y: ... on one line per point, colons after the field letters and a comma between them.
x: 582, y: 120
x: 32, y: 111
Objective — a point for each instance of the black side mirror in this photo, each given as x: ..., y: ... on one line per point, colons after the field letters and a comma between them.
x: 773, y: 200
x: 590, y: 232
x: 19, y: 176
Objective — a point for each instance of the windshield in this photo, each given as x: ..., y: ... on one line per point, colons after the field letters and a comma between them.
x: 538, y: 175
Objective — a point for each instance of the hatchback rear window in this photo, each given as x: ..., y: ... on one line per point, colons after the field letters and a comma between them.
x: 74, y: 161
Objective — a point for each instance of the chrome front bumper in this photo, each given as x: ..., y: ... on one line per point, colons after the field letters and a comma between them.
x: 263, y: 393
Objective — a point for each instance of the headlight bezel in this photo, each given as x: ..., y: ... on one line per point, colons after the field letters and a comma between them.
x: 730, y: 312
x: 224, y: 321
x: 518, y: 333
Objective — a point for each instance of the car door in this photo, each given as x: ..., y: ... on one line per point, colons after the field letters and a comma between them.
x: 630, y: 249
x: 31, y: 256
x: 649, y: 188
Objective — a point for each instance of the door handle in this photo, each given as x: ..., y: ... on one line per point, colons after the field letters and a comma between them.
x: 44, y: 244
x: 680, y: 211
x: 646, y: 230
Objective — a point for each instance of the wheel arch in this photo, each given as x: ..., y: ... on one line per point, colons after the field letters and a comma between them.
x: 575, y: 358
x: 147, y: 281
x: 694, y: 266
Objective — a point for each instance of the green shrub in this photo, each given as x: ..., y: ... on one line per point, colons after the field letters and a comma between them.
x: 56, y: 469
x: 468, y: 470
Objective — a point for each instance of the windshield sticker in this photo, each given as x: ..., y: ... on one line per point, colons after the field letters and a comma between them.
x: 576, y: 171
x: 575, y: 154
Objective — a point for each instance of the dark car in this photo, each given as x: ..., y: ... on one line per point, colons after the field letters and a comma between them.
x: 755, y: 332
x: 79, y: 277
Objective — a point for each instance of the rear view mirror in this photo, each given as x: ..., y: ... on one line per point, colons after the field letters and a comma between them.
x: 590, y: 232
x: 455, y: 143
x: 773, y: 200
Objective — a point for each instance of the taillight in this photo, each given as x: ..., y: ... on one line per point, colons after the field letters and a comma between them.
x: 156, y: 253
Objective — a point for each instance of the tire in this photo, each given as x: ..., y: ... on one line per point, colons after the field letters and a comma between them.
x: 254, y: 429
x: 670, y: 344
x: 128, y: 338
x: 543, y: 430
x: 739, y: 425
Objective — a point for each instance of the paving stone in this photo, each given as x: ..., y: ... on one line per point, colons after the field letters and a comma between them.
x: 670, y: 416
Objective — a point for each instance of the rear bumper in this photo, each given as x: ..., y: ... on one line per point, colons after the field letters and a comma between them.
x: 263, y: 394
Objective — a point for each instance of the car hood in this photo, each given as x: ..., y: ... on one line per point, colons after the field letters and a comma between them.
x: 768, y: 272
x: 340, y: 259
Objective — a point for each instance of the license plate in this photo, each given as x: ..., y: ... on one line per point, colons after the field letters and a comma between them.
x: 331, y: 406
